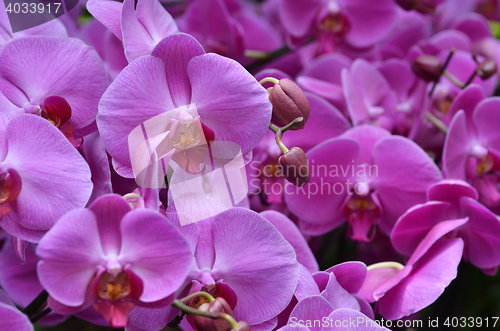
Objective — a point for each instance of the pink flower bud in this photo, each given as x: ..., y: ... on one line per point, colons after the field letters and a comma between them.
x: 219, y: 305
x: 427, y: 67
x: 289, y: 102
x: 295, y: 166
x: 486, y: 69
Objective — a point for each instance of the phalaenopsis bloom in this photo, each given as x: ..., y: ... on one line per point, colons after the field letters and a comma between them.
x: 58, y: 79
x: 211, y: 165
x: 217, y: 100
x: 34, y: 194
x: 452, y: 200
x: 471, y: 151
x: 365, y: 176
x: 114, y: 259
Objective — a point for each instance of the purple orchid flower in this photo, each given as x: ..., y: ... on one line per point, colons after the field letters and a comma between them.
x: 365, y: 176
x: 368, y: 96
x: 140, y: 29
x: 35, y: 194
x: 359, y: 23
x: 338, y: 286
x: 231, y: 104
x: 472, y: 150
x: 452, y: 200
x: 224, y: 268
x: 477, y: 28
x: 114, y: 259
x: 11, y: 317
x: 59, y: 79
x: 449, y: 11
x: 229, y: 28
x: 403, y: 290
x: 20, y: 281
x: 315, y: 313
x: 409, y: 92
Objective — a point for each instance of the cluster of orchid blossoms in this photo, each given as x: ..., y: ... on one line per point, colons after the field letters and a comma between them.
x: 174, y: 162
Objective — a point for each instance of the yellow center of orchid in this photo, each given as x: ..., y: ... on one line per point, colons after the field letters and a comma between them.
x: 113, y: 288
x: 334, y: 23
x: 484, y: 165
x: 187, y: 137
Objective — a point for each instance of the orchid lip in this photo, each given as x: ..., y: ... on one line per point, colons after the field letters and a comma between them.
x: 10, y: 186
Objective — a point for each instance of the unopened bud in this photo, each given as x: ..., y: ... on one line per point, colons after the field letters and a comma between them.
x: 243, y: 326
x: 427, y: 67
x: 422, y: 6
x: 289, y: 102
x: 486, y: 69
x: 295, y: 166
x: 219, y: 305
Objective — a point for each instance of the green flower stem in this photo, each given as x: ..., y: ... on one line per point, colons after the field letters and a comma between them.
x: 40, y: 315
x: 284, y: 149
x: 448, y: 59
x: 454, y: 79
x: 187, y: 300
x: 292, y: 123
x: 39, y: 302
x: 437, y: 122
x: 273, y: 128
x: 190, y: 310
x: 268, y: 80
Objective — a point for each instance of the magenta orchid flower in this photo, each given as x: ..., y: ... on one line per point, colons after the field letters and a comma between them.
x: 316, y: 314
x: 33, y: 195
x: 409, y: 92
x: 472, y: 150
x: 359, y: 23
x: 114, y: 259
x: 365, y: 176
x: 224, y: 267
x: 231, y: 105
x: 368, y: 96
x: 478, y: 30
x: 11, y: 317
x: 338, y: 286
x: 452, y: 200
x: 229, y: 28
x: 140, y: 29
x: 59, y: 79
x: 403, y: 290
